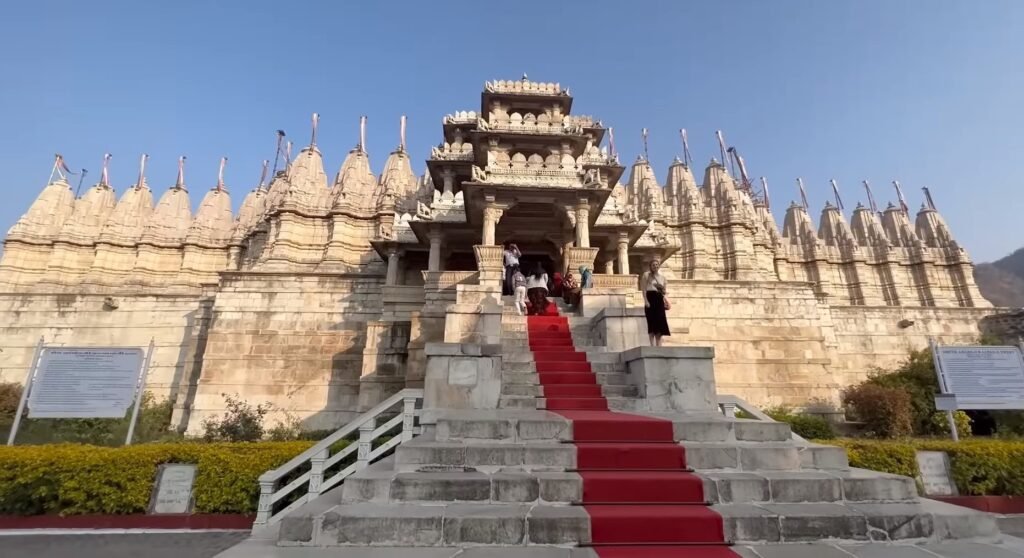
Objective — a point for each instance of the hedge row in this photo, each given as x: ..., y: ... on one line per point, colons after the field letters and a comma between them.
x: 77, y: 479
x: 979, y: 467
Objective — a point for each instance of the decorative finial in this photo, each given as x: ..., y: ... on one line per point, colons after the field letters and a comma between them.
x: 220, y: 174
x: 288, y: 154
x: 835, y: 192
x: 316, y: 121
x: 803, y: 194
x: 401, y: 134
x: 277, y: 151
x: 721, y: 145
x: 871, y: 197
x: 644, y: 134
x: 362, y: 135
x: 105, y: 173
x: 180, y: 183
x: 686, y: 148
x: 263, y: 175
x: 899, y: 196
x: 142, y: 171
x: 611, y: 142
x: 764, y: 190
x: 524, y: 77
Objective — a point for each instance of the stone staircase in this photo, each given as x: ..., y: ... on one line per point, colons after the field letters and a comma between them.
x: 552, y: 466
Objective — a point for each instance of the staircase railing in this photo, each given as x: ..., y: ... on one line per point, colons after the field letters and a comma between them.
x: 309, y: 467
x: 728, y: 404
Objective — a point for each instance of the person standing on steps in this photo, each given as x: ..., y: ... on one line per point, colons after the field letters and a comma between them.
x: 510, y: 261
x: 519, y: 284
x: 654, y: 287
x: 537, y: 291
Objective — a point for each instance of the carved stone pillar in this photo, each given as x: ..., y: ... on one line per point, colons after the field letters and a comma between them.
x: 434, y: 261
x: 583, y: 224
x: 448, y: 175
x: 609, y: 266
x: 392, y: 276
x: 491, y: 216
x: 623, y: 253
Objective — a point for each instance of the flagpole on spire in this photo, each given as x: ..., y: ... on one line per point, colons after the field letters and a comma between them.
x: 835, y: 192
x: 644, y: 134
x: 721, y: 144
x: 928, y: 198
x: 220, y: 174
x: 288, y: 154
x: 316, y: 121
x: 686, y: 148
x: 362, y: 134
x: 611, y: 142
x: 142, y: 171
x: 764, y: 189
x: 871, y: 197
x: 58, y: 168
x: 803, y: 194
x: 899, y: 196
x: 277, y: 150
x: 105, y: 173
x: 401, y: 134
x: 81, y: 179
x: 263, y: 175
x: 180, y: 183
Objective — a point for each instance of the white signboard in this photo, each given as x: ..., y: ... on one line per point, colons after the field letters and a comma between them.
x: 173, y: 493
x: 935, y: 475
x: 82, y: 382
x: 982, y: 377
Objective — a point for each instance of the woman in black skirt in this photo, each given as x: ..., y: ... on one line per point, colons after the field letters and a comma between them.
x: 654, y: 286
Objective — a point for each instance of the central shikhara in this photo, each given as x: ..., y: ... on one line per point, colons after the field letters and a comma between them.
x: 320, y: 297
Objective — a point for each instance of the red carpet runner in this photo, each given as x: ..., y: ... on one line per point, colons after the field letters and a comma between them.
x: 642, y: 501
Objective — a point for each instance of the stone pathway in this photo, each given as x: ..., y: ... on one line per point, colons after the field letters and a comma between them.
x: 198, y: 544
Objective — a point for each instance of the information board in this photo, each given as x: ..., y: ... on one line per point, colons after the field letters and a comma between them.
x: 173, y: 492
x: 982, y: 377
x: 82, y: 382
x: 934, y: 472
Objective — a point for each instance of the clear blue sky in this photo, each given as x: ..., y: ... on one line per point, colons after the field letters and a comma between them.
x: 926, y: 92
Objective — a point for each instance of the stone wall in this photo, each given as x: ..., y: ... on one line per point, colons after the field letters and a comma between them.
x: 177, y: 325
x: 293, y: 340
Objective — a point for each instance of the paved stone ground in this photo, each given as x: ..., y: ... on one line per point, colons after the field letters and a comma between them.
x: 120, y: 545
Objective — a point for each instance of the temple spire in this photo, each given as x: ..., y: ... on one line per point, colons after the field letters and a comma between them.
x: 401, y: 134
x: 105, y: 172
x: 871, y: 197
x: 263, y: 176
x: 835, y: 192
x: 803, y: 194
x: 686, y: 148
x: 220, y: 174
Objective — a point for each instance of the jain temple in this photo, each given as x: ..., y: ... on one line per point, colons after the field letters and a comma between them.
x: 324, y: 294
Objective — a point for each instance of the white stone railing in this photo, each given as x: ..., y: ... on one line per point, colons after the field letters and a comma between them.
x: 314, y: 469
x: 729, y: 404
x: 461, y: 117
x: 452, y: 152
x: 524, y: 87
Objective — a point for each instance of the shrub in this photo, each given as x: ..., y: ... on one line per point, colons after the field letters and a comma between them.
x: 807, y: 426
x: 940, y: 423
x: 10, y: 396
x: 241, y: 422
x: 979, y: 466
x: 885, y: 412
x: 71, y: 479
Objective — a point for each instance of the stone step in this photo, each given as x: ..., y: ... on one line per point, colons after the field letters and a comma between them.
x: 523, y: 402
x: 428, y: 455
x: 802, y: 522
x: 531, y: 367
x: 764, y: 456
x: 504, y: 426
x: 595, y: 355
x: 532, y: 390
x: 517, y: 524
x: 417, y: 525
x: 855, y: 485
x: 531, y: 378
x: 388, y: 486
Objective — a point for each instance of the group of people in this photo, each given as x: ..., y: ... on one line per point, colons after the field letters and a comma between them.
x: 531, y: 289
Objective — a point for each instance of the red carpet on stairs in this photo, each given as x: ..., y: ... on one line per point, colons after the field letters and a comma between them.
x: 642, y: 501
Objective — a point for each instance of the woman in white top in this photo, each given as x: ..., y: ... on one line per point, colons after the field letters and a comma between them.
x: 654, y: 286
x: 510, y: 260
x: 537, y: 291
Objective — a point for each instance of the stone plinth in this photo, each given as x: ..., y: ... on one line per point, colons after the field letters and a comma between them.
x: 489, y: 262
x: 678, y: 379
x: 460, y: 376
x: 575, y: 257
x: 620, y: 328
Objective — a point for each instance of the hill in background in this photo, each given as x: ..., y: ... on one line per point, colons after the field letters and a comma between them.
x: 1002, y: 281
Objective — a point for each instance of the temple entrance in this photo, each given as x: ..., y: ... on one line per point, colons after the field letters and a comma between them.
x: 528, y: 262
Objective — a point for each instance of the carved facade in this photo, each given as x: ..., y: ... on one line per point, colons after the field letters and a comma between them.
x: 320, y: 294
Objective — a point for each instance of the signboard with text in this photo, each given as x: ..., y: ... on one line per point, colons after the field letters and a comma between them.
x: 85, y: 382
x: 982, y: 377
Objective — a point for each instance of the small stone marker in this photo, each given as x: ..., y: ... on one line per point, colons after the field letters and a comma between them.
x: 935, y: 473
x: 173, y: 490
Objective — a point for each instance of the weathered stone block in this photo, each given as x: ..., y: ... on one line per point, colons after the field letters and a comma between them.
x: 488, y: 524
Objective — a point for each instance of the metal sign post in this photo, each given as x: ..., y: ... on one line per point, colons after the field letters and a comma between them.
x: 139, y: 392
x: 24, y: 393
x: 943, y: 388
